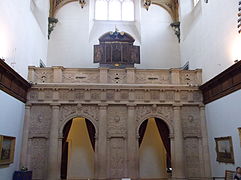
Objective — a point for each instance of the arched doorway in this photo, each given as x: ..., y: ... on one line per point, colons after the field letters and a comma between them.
x: 78, y: 146
x: 154, y: 149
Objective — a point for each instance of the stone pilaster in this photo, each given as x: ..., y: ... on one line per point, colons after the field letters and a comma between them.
x: 132, y: 143
x: 24, y: 150
x: 102, y: 143
x: 205, y: 153
x: 175, y: 76
x: 178, y: 166
x: 57, y: 74
x: 103, y: 75
x: 130, y: 72
x: 53, y: 164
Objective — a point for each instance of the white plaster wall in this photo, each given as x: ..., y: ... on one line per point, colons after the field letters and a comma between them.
x: 22, y: 43
x: 209, y: 37
x: 11, y: 124
x: 71, y: 42
x: 152, y: 153
x: 81, y: 154
x: 223, y: 118
x: 159, y: 44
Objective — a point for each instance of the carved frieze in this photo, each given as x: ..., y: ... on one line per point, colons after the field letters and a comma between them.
x: 38, y: 152
x: 40, y: 121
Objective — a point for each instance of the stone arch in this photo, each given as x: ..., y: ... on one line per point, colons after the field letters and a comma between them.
x: 70, y: 117
x: 168, y: 123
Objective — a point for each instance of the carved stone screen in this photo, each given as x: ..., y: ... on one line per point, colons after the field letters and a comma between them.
x: 116, y: 49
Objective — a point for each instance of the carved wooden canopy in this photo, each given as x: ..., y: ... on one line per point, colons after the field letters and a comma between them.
x: 116, y: 49
x: 170, y: 5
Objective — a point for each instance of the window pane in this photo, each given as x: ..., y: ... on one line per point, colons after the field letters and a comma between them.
x: 114, y: 10
x: 128, y: 10
x: 101, y: 10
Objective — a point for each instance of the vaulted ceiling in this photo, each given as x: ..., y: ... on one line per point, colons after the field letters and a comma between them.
x: 170, y: 5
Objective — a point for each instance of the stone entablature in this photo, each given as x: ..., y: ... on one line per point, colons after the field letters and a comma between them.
x: 60, y: 74
x: 116, y: 110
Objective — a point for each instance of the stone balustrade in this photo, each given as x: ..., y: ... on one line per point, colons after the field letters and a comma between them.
x: 59, y: 74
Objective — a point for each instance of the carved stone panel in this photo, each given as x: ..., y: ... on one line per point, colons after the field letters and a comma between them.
x: 40, y: 121
x: 190, y: 121
x: 117, y: 76
x: 117, y: 158
x: 117, y: 116
x: 39, y: 151
x: 155, y: 77
x: 192, y: 157
x: 43, y: 75
x: 83, y: 76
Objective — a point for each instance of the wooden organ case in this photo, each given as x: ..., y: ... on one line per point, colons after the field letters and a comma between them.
x: 116, y: 49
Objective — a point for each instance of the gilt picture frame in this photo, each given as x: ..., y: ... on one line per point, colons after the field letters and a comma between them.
x: 7, y: 148
x: 224, y: 149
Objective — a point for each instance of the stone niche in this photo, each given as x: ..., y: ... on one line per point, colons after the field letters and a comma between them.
x: 117, y: 102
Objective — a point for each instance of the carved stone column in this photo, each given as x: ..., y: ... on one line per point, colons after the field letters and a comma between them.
x: 206, y: 158
x: 24, y: 150
x: 132, y: 143
x: 101, y: 166
x: 53, y: 164
x: 178, y: 166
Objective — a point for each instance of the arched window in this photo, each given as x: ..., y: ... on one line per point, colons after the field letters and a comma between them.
x: 118, y: 10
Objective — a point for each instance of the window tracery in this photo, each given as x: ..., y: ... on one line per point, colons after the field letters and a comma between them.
x: 118, y: 10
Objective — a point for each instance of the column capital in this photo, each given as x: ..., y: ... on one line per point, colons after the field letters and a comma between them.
x: 55, y: 105
x: 28, y: 105
x: 177, y: 106
x: 202, y: 106
x: 103, y: 106
x: 131, y: 105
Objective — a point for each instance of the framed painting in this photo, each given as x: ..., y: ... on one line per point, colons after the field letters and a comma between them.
x: 7, y: 146
x: 224, y: 149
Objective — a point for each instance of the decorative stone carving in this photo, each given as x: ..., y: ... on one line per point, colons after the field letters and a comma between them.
x: 43, y: 75
x: 110, y: 95
x: 40, y: 121
x: 75, y: 76
x: 192, y: 157
x: 124, y: 94
x: 117, y: 116
x: 32, y: 95
x: 169, y: 95
x: 144, y: 112
x: 156, y: 77
x: 184, y: 95
x: 39, y: 151
x: 117, y: 159
x: 188, y: 78
x: 95, y: 95
x: 88, y: 111
x: 190, y: 121
x: 117, y: 76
